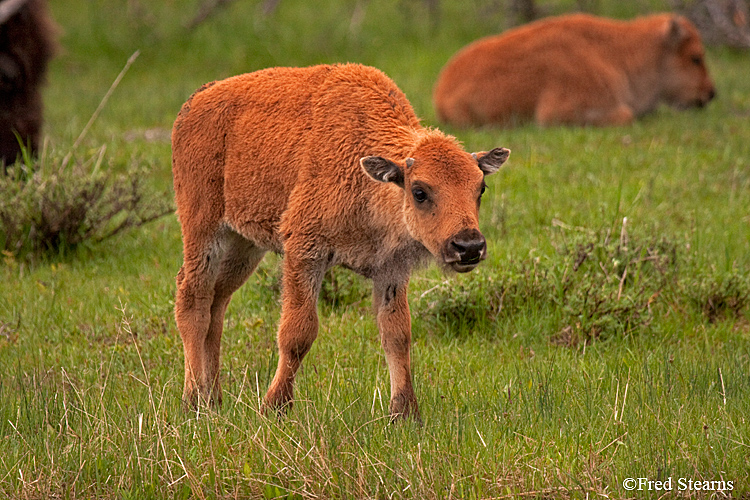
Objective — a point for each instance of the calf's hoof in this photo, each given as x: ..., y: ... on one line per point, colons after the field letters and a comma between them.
x: 404, y: 407
x: 194, y: 399
x: 278, y: 403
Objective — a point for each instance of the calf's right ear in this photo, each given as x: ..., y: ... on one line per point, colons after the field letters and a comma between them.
x: 675, y: 33
x: 382, y: 169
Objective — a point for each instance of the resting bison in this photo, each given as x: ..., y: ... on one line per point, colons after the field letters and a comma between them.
x: 328, y: 165
x: 577, y: 70
x: 27, y: 43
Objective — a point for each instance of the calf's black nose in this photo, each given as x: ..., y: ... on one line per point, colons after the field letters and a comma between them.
x: 467, y: 247
x: 469, y: 250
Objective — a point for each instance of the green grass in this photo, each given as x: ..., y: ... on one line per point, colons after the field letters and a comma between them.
x: 538, y: 376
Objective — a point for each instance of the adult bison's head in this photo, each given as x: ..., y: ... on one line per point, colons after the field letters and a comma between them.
x: 443, y: 187
x: 686, y: 82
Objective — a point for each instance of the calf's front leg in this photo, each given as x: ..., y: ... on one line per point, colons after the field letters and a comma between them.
x: 394, y: 325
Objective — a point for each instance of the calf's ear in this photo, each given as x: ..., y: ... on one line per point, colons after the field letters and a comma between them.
x: 491, y: 162
x: 675, y: 33
x: 382, y: 169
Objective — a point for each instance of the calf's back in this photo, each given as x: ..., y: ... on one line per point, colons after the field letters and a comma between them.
x: 243, y: 147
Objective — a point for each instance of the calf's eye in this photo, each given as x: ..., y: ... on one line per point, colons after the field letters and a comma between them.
x: 419, y: 195
x: 697, y: 60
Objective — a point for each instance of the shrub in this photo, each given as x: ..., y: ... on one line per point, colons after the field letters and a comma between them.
x: 342, y: 288
x: 487, y: 295
x: 51, y: 205
x: 718, y: 296
x: 609, y: 284
x: 600, y: 285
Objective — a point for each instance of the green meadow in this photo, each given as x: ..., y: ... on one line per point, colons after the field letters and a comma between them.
x: 606, y: 337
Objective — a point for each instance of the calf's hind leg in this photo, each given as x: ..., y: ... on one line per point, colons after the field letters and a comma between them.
x: 298, y: 327
x: 205, y: 286
x: 240, y: 260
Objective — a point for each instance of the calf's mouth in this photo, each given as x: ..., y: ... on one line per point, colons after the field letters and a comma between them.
x: 464, y: 251
x: 465, y: 266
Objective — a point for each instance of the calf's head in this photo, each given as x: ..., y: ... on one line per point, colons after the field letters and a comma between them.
x: 443, y: 187
x: 685, y: 76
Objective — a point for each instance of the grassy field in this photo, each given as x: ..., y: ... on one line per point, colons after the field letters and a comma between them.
x: 605, y: 338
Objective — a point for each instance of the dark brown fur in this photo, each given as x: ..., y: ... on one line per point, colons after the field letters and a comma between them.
x: 27, y: 43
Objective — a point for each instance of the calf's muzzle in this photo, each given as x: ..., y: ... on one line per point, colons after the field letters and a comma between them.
x: 465, y: 250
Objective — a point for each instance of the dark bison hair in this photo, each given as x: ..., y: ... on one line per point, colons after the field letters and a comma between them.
x: 27, y: 42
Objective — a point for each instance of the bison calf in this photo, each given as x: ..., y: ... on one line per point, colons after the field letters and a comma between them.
x: 329, y: 166
x: 576, y: 69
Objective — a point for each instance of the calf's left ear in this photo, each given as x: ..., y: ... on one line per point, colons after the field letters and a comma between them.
x: 491, y: 162
x: 383, y: 170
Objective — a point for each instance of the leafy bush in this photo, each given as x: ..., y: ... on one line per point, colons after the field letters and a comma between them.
x: 51, y: 204
x: 601, y: 285
x: 609, y: 284
x: 488, y: 295
x: 342, y: 288
x: 718, y: 296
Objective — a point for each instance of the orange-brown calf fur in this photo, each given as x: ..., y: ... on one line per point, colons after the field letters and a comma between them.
x: 327, y: 165
x: 576, y: 69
